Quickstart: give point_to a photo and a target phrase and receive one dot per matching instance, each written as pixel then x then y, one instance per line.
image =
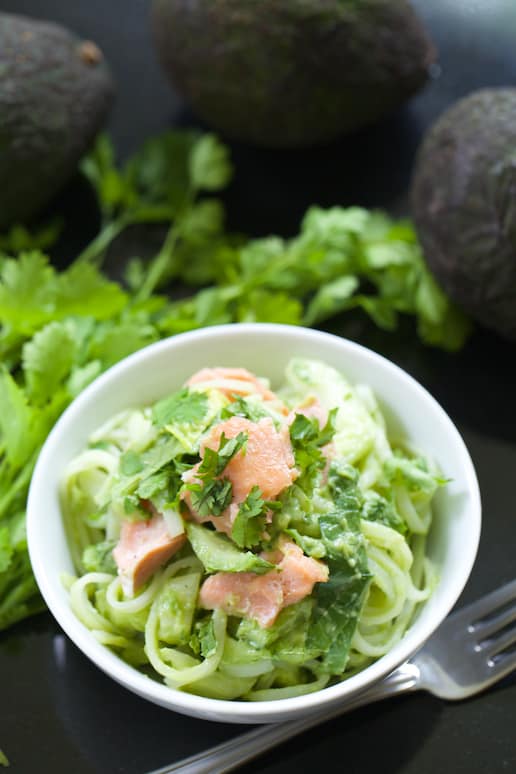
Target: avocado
pixel 292 73
pixel 463 198
pixel 55 93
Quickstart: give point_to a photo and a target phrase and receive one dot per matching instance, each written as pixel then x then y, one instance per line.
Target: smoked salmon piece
pixel 266 461
pixel 262 597
pixel 143 547
pixel 238 381
pixel 244 594
pixel 299 573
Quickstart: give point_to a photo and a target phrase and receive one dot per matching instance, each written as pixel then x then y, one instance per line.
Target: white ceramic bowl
pixel 265 349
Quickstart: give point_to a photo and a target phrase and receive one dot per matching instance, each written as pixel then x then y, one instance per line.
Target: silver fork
pixel 470 651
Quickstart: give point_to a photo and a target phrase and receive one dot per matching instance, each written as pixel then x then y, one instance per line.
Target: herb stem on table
pixel 96 249
pixel 159 266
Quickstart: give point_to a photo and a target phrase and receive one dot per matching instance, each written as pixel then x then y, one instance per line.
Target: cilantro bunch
pixel 59 330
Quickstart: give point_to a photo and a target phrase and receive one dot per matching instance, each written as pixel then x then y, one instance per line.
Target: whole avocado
pixel 55 93
pixel 464 205
pixel 292 73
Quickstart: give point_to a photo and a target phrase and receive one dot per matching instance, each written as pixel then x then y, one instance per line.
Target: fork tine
pixel 499 644
pixel 501 667
pixel 489 604
pixel 485 631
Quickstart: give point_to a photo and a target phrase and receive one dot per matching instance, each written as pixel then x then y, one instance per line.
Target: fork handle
pixel 241 749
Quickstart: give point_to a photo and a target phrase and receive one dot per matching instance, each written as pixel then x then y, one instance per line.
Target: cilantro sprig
pixel 240 407
pixel 160 183
pixel 308 438
pixel 250 522
pixel 211 495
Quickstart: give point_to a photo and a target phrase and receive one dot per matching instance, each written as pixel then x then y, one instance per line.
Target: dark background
pixel 59 713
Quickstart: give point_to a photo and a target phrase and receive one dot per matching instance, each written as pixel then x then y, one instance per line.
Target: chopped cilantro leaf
pixel 210 168
pixel 240 407
pixel 154 484
pixel 133 508
pixel 130 463
pixel 304 429
pixel 211 495
pixel 328 431
pixel 183 407
pixel 307 439
pixel 214 462
pixel 48 359
pixel 249 523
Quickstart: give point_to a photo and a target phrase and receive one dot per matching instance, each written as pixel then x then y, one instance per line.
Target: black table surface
pixel 59 712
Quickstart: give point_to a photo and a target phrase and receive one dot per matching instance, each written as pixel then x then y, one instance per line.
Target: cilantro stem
pixel 21 601
pixel 21 481
pixel 159 264
pixel 113 227
pixel 98 246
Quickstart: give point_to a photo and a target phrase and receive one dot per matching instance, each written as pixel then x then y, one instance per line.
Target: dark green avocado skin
pixel 55 93
pixel 464 205
pixel 291 73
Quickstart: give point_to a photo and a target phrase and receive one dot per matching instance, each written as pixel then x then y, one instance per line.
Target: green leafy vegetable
pixel 307 440
pixel 214 461
pixel 243 407
pixel 183 407
pixel 130 463
pixel 249 523
pixel 339 601
pixel 156 483
pixel 211 495
pixel 47 359
pixel 148 471
pixel 210 168
pixel 415 475
pixel 6 549
pixel 19 596
pixel 19 238
pixel 133 509
pixel 159 184
pixel 32 293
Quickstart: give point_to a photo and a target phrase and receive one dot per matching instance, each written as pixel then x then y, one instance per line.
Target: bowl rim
pixel 237 710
